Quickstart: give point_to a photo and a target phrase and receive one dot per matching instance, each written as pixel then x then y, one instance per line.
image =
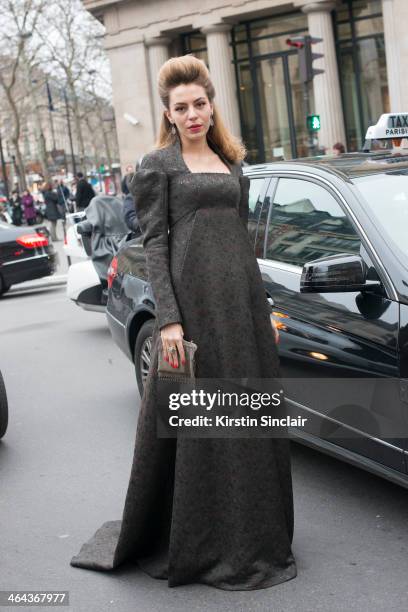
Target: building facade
pixel 255 71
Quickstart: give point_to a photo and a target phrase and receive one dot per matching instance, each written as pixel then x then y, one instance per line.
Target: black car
pixel 331 238
pixel 26 253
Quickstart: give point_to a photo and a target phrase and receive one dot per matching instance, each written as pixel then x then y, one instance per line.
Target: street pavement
pixel 65 463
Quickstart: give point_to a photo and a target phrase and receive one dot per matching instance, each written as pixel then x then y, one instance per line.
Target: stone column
pixel 326 86
pixel 158 53
pixel 395 50
pixel 222 74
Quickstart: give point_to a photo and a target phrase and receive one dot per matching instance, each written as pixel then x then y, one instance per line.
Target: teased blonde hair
pixel 187 69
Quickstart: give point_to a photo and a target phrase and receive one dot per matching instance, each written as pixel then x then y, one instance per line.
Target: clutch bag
pixel 184 372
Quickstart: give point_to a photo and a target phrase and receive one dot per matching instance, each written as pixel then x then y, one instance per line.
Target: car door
pixel 326 338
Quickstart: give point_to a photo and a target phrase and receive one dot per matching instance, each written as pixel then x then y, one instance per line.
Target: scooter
pixel 103 231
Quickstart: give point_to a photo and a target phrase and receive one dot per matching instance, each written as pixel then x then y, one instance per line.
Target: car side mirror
pixel 336 273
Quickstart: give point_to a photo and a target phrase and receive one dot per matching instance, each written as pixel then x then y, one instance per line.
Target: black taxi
pixel 331 238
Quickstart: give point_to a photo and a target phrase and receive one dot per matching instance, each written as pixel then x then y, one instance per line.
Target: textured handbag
pixel 184 373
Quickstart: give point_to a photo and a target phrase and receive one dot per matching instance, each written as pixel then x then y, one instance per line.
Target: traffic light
pixel 306 56
pixel 313 123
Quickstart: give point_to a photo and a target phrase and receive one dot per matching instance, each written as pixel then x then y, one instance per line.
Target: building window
pixel 195 43
pixel 270 93
pixel 359 34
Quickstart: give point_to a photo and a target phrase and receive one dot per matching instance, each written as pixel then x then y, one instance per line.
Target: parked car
pixel 3 407
pixel 329 234
pixel 26 253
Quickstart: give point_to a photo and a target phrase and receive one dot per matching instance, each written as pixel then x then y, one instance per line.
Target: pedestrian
pixel 51 208
pixel 339 148
pixel 63 195
pixel 211 510
pixel 129 209
pixel 84 192
pixel 27 201
pixel 16 209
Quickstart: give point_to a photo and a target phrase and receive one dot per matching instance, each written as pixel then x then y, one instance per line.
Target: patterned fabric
pixel 217 511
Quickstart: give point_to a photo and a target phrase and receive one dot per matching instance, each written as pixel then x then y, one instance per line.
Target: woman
pixel 27 202
pixel 51 209
pixel 217 511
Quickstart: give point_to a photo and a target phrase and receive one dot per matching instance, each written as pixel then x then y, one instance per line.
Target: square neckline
pixel 215 149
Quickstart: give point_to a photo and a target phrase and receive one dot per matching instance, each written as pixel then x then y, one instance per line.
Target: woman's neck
pixel 197 148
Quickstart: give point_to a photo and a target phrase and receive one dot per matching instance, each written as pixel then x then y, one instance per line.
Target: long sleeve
pixel 149 188
pixel 129 213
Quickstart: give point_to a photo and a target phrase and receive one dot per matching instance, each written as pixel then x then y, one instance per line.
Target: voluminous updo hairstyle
pixel 187 69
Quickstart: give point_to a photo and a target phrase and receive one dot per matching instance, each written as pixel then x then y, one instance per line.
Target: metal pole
pixel 51 109
pixel 306 107
pixel 74 169
pixel 4 169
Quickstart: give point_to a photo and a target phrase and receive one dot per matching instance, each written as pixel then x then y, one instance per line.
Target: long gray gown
pixel 217 511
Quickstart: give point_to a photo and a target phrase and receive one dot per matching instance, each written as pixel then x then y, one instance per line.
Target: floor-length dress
pixel 217 511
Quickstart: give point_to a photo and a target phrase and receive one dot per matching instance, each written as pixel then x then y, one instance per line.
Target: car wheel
pixel 3 407
pixel 142 353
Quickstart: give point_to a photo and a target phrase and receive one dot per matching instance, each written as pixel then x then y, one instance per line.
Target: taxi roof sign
pixel 389 125
pixel 391 132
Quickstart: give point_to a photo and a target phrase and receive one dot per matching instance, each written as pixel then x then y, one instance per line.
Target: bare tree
pixel 72 50
pixel 19 18
pixel 102 111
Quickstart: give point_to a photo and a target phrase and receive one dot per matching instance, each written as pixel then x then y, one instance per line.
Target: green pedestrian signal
pixel 313 123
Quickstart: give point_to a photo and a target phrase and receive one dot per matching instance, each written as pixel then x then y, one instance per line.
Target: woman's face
pixel 190 111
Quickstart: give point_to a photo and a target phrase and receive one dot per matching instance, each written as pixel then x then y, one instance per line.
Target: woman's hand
pixel 172 336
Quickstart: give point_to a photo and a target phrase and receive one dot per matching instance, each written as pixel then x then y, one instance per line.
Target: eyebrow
pixel 196 100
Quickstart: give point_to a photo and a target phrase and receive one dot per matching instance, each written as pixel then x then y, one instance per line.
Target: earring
pixel 211 121
pixel 173 129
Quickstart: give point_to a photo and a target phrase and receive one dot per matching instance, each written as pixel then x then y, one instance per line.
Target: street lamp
pixel 74 168
pixel 4 170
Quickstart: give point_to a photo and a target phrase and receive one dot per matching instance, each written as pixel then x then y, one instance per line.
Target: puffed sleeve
pixel 243 207
pixel 149 186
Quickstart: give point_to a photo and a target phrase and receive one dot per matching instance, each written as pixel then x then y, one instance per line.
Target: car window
pixel 255 200
pixel 255 203
pixel 306 222
pixel 263 217
pixel 386 199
